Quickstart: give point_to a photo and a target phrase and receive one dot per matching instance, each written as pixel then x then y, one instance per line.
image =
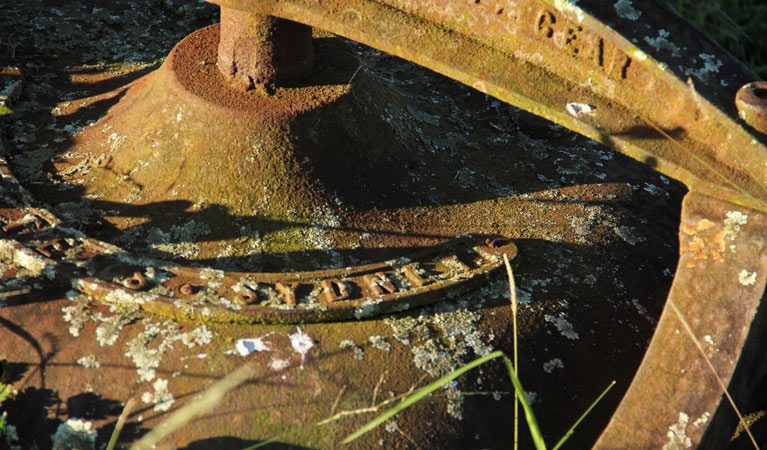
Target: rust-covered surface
pixel 543 56
pixel 259 50
pixel 609 71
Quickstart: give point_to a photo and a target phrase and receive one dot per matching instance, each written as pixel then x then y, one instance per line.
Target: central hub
pixel 189 166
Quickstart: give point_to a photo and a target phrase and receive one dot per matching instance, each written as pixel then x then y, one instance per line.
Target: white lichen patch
pixel 625 9
pixel 732 224
pixel 555 363
pixel 89 362
pixel 359 353
pixel 380 343
pixel 199 336
pixel 9 437
pixel 74 434
pixel 109 329
pixel 211 274
pixel 128 299
pixel 565 328
pixel 160 396
pixel 700 421
pixel 367 308
pixel 662 43
pixel 77 315
pixel 149 347
pixel 278 364
pixel 629 235
pixel 746 278
pixel 711 65
pixel 441 338
pixel 316 235
pixel 531 397
pixel 180 240
pixel 677 434
pixel 455 400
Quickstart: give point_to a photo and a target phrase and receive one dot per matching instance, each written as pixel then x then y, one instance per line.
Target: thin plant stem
pixel 513 296
pixel 210 398
pixel 428 389
pixel 120 423
pixel 695 340
pixel 583 416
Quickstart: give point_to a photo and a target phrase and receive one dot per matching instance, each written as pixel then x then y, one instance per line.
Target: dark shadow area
pixel 43 354
pixel 92 406
pixel 12 371
pixel 28 411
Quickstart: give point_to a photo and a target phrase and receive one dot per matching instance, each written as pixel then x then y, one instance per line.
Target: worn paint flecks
pixel 252 345
pixel 579 110
pixel 301 343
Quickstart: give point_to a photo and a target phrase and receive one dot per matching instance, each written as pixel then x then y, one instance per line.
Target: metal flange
pixel 611 72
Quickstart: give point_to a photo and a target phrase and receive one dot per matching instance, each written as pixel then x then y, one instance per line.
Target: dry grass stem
pixel 121 423
pixel 338 398
pixel 378 386
pixel 695 340
pixel 210 398
pixel 369 409
pixel 513 296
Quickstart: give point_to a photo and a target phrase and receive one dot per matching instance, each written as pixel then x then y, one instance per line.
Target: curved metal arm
pixel 596 69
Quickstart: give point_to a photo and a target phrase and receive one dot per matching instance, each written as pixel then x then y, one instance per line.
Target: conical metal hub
pixel 191 167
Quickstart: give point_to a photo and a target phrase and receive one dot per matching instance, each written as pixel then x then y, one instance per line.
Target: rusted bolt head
pixel 137 281
pixel 493 242
pixel 751 101
pixel 186 289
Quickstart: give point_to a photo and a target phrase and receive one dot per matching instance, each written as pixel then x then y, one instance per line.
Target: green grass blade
pixel 420 394
pixel 426 390
pixel 583 416
pixel 532 423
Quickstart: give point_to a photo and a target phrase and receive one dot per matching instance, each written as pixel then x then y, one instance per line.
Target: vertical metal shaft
pixel 258 49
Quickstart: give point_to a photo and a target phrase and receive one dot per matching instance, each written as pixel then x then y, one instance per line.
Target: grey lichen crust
pixel 442 338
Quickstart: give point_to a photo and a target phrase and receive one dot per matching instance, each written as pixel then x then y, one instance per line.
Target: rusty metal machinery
pixel 609 71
